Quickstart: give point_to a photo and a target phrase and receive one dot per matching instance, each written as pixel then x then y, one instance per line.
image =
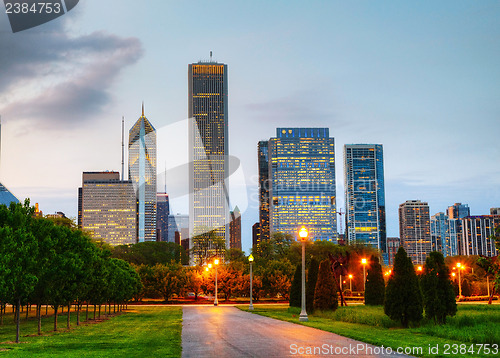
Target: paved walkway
pixel 229 332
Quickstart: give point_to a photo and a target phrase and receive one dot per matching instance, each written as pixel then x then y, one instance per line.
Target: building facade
pixel 208 146
pixel 477 234
pixel 415 230
pixel 393 244
pixel 264 185
pixel 142 172
pixel 108 208
pixel 365 195
pixel 302 183
pixel 177 223
pixel 444 234
pixel 255 235
pixel 162 213
pixel 456 212
pixel 235 229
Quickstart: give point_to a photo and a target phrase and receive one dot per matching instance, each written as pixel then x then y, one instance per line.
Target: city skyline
pixel 420 79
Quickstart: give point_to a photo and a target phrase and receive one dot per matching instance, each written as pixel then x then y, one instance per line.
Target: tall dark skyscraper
pixel 365 195
pixel 415 229
pixel 162 213
pixel 142 173
pixel 208 146
pixel 263 157
pixel 302 177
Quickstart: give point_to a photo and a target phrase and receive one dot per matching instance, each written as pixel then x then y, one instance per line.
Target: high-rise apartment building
pixel 444 234
pixel 235 229
pixel 476 235
pixel 415 230
pixel 455 212
pixel 255 235
pixel 142 173
pixel 162 213
pixel 264 184
pixel 302 183
pixel 365 195
pixel 108 208
pixel 208 146
pixel 393 244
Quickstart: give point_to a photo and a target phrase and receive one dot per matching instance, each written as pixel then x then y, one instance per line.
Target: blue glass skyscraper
pixel 142 173
pixel 364 195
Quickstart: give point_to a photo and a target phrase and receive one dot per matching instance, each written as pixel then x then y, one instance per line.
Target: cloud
pixel 53 78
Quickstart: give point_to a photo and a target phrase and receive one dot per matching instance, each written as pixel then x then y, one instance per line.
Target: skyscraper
pixel 415 230
pixel 477 234
pixel 264 183
pixel 208 146
pixel 364 195
pixel 444 234
pixel 456 212
pixel 162 213
pixel 235 229
pixel 142 173
pixel 302 188
pixel 108 208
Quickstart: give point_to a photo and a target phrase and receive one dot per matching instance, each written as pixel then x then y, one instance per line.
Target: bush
pixel 403 299
pixel 375 285
pixel 325 294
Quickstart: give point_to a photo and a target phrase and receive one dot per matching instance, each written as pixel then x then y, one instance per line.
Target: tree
pixel 403 298
pixel 170 279
pixel 312 278
pixel 18 252
pixel 194 281
pixel 375 285
pixel 296 288
pixel 437 289
pixel 325 294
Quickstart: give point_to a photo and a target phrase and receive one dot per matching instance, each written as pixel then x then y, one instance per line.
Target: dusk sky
pixel 422 78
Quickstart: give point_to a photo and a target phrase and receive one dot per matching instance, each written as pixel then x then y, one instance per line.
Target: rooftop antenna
pixel 123 148
pixel 143 108
pixel 210 56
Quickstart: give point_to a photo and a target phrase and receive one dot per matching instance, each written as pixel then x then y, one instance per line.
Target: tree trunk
pixel 69 317
pixel 94 311
pixel 491 295
pixel 46 310
pixel 55 317
pixel 87 313
pixel 100 311
pixel 2 310
pixel 78 305
pixel 18 319
pixel 114 307
pixel 27 312
pixel 39 317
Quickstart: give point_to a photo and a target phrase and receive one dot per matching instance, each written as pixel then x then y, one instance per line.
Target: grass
pixel 140 332
pixel 473 325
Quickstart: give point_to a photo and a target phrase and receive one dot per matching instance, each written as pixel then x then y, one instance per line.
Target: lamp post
pixel 363 262
pixel 250 259
pixel 350 283
pixel 459 267
pixel 303 237
pixel 216 262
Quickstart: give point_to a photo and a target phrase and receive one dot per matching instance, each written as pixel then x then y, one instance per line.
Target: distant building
pixel 175 224
pixel 108 208
pixel 444 234
pixel 365 195
pixel 142 173
pixel 264 185
pixel 162 213
pixel 458 211
pixel 495 211
pixel 415 230
pixel 393 245
pixel 56 215
pixel 235 229
pixel 476 235
pixel 6 197
pixel 302 188
pixel 208 146
pixel 255 234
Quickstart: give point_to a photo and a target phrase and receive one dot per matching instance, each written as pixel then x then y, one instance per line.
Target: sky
pixel 421 78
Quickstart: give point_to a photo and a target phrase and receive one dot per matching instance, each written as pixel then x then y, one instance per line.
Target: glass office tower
pixel 142 173
pixel 264 185
pixel 365 195
pixel 302 188
pixel 208 146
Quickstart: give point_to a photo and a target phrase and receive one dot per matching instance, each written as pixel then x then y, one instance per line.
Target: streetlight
pixel 216 262
pixel 250 258
pixel 363 262
pixel 303 237
pixel 419 269
pixel 459 267
pixel 350 283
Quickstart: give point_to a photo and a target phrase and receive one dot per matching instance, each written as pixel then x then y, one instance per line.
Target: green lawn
pixel 474 325
pixel 140 332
